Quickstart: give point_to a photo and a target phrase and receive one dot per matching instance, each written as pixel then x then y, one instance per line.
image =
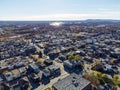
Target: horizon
pixel 58 10
pixel 58 20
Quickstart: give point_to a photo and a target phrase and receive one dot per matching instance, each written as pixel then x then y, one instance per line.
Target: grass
pixel 48 88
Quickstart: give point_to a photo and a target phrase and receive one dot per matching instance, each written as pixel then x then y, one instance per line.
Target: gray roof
pixel 8 76
pixel 53 67
pixel 72 82
pixel 68 63
pixel 34 66
pixel 72 63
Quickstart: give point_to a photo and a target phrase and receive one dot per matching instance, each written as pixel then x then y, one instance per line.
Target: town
pixel 60 55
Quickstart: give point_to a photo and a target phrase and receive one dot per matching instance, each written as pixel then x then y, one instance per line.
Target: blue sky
pixel 59 9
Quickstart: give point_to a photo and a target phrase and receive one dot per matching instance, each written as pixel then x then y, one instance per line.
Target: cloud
pixel 100 15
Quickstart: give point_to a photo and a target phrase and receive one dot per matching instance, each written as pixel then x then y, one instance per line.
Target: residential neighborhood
pixel 75 55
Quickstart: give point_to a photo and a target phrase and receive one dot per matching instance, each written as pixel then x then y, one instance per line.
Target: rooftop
pixel 72 82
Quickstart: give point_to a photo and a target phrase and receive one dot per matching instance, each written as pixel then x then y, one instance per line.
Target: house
pixel 30 49
pixel 14 85
pixel 24 83
pixel 111 70
pixel 81 52
pixel 99 54
pixel 4 86
pixel 81 46
pixel 62 57
pixel 72 82
pixel 106 87
pixel 10 67
pixel 23 71
pixel 16 73
pixel 46 73
pixel 20 64
pixel 54 70
pixel 91 47
pixel 71 64
pixel 11 85
pixel 115 55
pixel 34 77
pixel 8 76
pixel 46 51
pixel 48 62
pixel 53 55
pixel 89 41
pixel 41 65
pixel 106 50
pixel 88 59
pixel 33 68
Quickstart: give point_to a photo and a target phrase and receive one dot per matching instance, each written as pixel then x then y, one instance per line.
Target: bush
pixel 70 57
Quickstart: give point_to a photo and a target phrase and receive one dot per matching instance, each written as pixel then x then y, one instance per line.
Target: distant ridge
pixel 100 20
pixel 65 21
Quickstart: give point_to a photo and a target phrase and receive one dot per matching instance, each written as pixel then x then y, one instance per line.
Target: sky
pixel 59 9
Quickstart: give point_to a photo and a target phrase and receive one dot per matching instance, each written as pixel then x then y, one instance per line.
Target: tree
pixel 115 77
pixel 94 81
pixel 70 57
pixel 104 75
pixel 98 74
pixel 77 57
